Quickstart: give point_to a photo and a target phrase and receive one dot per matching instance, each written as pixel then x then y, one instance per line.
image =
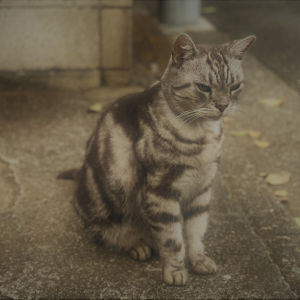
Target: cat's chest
pixel 212 148
pixel 209 150
pixel 201 168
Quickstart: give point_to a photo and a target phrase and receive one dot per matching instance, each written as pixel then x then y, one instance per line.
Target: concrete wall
pixel 66 43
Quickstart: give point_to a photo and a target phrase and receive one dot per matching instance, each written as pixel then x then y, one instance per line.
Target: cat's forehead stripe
pixel 227 73
pixel 231 78
pixel 212 74
pixel 210 79
pixel 219 70
pixel 213 69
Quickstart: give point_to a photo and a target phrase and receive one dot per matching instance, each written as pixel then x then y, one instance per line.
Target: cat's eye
pixel 203 88
pixel 235 87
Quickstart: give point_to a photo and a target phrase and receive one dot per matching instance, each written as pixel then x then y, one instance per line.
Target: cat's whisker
pixel 192 118
pixel 231 110
pixel 191 111
pixel 186 118
pixel 196 118
pixel 182 115
pixel 236 110
pixel 187 113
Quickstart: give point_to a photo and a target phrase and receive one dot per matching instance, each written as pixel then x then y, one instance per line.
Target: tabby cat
pixel 145 184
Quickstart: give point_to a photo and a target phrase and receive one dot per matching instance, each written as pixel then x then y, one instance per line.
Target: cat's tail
pixel 72 174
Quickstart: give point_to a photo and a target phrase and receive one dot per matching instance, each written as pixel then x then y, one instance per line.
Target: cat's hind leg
pixel 140 251
pixel 143 248
pixel 135 242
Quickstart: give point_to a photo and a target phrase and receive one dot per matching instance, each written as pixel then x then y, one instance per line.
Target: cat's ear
pixel 184 48
pixel 239 47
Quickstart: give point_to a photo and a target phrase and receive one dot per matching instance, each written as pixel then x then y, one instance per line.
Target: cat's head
pixel 204 81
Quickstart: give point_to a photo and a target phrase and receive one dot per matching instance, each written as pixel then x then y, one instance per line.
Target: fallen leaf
pixel 227 120
pixel 272 101
pixel 239 133
pixel 261 144
pixel 254 134
pixel 283 200
pixel 281 193
pixel 297 220
pixel 282 196
pixel 278 179
pixel 263 174
pixel 97 108
pixel 209 9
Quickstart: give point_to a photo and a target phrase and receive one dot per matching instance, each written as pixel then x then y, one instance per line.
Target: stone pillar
pixel 179 12
pixel 116 33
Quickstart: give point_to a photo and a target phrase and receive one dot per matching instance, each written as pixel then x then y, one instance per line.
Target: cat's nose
pixel 221 107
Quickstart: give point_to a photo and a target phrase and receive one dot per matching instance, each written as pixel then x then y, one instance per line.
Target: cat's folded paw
pixel 204 266
pixel 140 252
pixel 175 276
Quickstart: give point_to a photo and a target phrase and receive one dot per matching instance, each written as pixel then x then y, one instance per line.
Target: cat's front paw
pixel 175 276
pixel 204 266
pixel 140 252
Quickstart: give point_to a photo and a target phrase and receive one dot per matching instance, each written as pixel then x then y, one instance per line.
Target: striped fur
pixel 151 161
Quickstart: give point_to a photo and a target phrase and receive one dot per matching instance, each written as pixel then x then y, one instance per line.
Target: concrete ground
pixel 44 252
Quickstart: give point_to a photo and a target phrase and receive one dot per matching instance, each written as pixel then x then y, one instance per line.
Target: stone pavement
pixel 44 252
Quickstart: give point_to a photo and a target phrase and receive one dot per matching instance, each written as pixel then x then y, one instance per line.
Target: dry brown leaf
pixel 261 144
pixel 281 196
pixel 297 220
pixel 96 107
pixel 239 133
pixel 281 193
pixel 278 179
pixel 272 101
pixel 227 120
pixel 263 174
pixel 254 134
pixel 283 200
